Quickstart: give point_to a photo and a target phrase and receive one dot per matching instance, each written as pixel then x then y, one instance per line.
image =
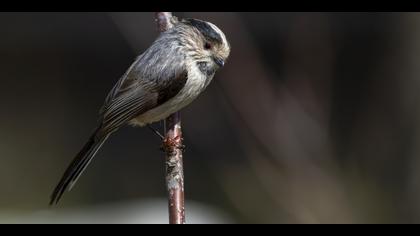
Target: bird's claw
pixel 169 145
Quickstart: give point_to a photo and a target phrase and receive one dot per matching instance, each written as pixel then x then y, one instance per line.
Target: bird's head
pixel 206 42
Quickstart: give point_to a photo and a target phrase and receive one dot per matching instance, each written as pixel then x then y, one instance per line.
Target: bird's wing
pixel 152 80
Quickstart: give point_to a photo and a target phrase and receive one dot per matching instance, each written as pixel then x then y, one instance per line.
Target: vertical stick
pixel 175 169
pixel 173 148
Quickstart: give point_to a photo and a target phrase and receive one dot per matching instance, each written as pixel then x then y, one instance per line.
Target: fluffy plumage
pixel 169 75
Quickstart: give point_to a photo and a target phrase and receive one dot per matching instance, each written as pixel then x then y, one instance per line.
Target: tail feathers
pixel 78 165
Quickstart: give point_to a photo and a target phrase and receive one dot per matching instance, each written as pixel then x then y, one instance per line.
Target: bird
pixel 166 77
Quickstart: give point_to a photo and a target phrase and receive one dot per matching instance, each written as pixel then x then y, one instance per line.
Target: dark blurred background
pixel 314 119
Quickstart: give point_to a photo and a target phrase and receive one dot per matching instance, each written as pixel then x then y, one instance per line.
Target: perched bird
pixel 169 75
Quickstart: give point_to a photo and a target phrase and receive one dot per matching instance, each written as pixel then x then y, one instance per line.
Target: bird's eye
pixel 207 46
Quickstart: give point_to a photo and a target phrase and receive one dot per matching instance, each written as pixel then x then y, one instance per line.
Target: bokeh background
pixel 314 119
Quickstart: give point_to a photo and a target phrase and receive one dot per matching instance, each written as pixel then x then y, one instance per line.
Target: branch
pixel 173 147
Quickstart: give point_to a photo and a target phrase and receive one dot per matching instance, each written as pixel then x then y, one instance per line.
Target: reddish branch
pixel 173 148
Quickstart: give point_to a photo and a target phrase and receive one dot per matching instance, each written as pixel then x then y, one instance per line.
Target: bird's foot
pixel 156 132
pixel 169 145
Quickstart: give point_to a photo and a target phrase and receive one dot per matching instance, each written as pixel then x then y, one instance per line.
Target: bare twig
pixel 164 20
pixel 173 147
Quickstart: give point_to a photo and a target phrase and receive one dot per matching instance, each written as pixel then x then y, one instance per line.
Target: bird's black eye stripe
pixel 206 30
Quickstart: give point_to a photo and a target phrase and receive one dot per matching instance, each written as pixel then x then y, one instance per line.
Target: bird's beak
pixel 220 62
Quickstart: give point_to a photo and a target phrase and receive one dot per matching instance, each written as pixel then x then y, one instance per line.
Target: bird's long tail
pixel 78 165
